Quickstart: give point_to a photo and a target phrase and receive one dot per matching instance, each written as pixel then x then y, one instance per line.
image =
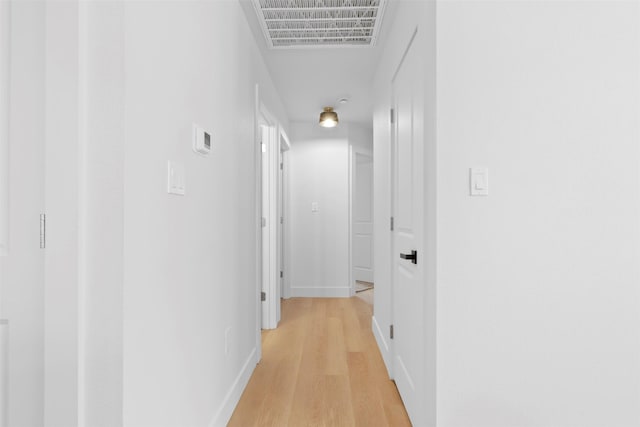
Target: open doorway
pixel 282 199
pixel 274 145
pixel 362 224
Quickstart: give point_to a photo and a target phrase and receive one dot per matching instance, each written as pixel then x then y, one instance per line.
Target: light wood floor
pixel 321 367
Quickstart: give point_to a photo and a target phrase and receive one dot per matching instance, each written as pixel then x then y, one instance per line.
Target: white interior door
pixel 408 208
pixel 363 218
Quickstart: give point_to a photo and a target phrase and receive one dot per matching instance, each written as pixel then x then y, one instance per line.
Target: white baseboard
pixel 232 398
pixel 383 345
pixel 341 292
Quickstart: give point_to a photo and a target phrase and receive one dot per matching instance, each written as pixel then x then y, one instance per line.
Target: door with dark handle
pixel 413 256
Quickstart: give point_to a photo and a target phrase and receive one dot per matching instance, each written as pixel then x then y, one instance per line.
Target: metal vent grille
pixel 318 23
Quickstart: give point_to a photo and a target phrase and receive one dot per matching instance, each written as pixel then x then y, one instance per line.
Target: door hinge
pixel 281 220
pixel 263 296
pixel 392 115
pixel 281 274
pixel 281 166
pixel 391 223
pixel 391 331
pixel 264 222
pixel 43 231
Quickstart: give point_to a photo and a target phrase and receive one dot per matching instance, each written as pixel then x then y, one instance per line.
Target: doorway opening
pixel 274 145
pixel 362 224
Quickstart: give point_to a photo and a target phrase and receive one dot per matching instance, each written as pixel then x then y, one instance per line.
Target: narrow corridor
pixel 321 367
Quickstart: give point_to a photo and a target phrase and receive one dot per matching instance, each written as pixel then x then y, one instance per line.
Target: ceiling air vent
pixel 320 23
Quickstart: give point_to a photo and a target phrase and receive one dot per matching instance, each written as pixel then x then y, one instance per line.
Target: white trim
pixel 282 216
pixel 257 166
pixel 383 345
pixel 273 223
pixel 351 169
pixel 222 417
pixel 288 241
pixel 321 292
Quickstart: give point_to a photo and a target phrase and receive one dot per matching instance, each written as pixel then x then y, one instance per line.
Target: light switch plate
pixel 314 206
pixel 479 181
pixel 175 178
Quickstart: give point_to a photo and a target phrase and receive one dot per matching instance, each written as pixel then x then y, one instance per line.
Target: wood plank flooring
pixel 321 367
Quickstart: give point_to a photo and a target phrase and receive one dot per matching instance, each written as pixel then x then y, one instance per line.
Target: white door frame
pixel 257 167
pixel 269 133
pixel 284 145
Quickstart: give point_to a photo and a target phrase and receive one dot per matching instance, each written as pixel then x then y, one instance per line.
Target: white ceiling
pixel 309 79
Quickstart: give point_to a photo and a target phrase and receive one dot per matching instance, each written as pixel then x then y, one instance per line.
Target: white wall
pixel 84 110
pixel 537 284
pixel 63 142
pixel 189 266
pixel 5 99
pixel 141 286
pixel 361 137
pixel 101 326
pixel 22 272
pixel 319 172
pixel 320 242
pixel 538 308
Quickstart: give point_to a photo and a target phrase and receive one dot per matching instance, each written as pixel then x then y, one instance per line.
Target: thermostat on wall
pixel 201 140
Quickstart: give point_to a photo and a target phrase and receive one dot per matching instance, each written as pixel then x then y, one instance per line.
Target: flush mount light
pixel 328 118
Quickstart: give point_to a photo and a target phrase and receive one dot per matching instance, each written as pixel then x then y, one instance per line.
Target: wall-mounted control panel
pixel 201 140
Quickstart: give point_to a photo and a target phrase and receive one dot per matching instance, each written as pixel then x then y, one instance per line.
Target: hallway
pixel 321 367
pixel 169 173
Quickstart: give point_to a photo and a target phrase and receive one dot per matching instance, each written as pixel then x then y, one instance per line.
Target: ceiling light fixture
pixel 328 118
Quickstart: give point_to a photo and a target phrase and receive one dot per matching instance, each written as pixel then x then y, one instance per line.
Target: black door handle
pixel 413 256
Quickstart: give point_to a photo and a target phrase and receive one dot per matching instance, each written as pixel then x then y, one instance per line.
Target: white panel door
pixel 363 218
pixel 408 210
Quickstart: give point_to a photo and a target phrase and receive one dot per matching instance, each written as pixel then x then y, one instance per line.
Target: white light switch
pixel 314 206
pixel 175 178
pixel 479 181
